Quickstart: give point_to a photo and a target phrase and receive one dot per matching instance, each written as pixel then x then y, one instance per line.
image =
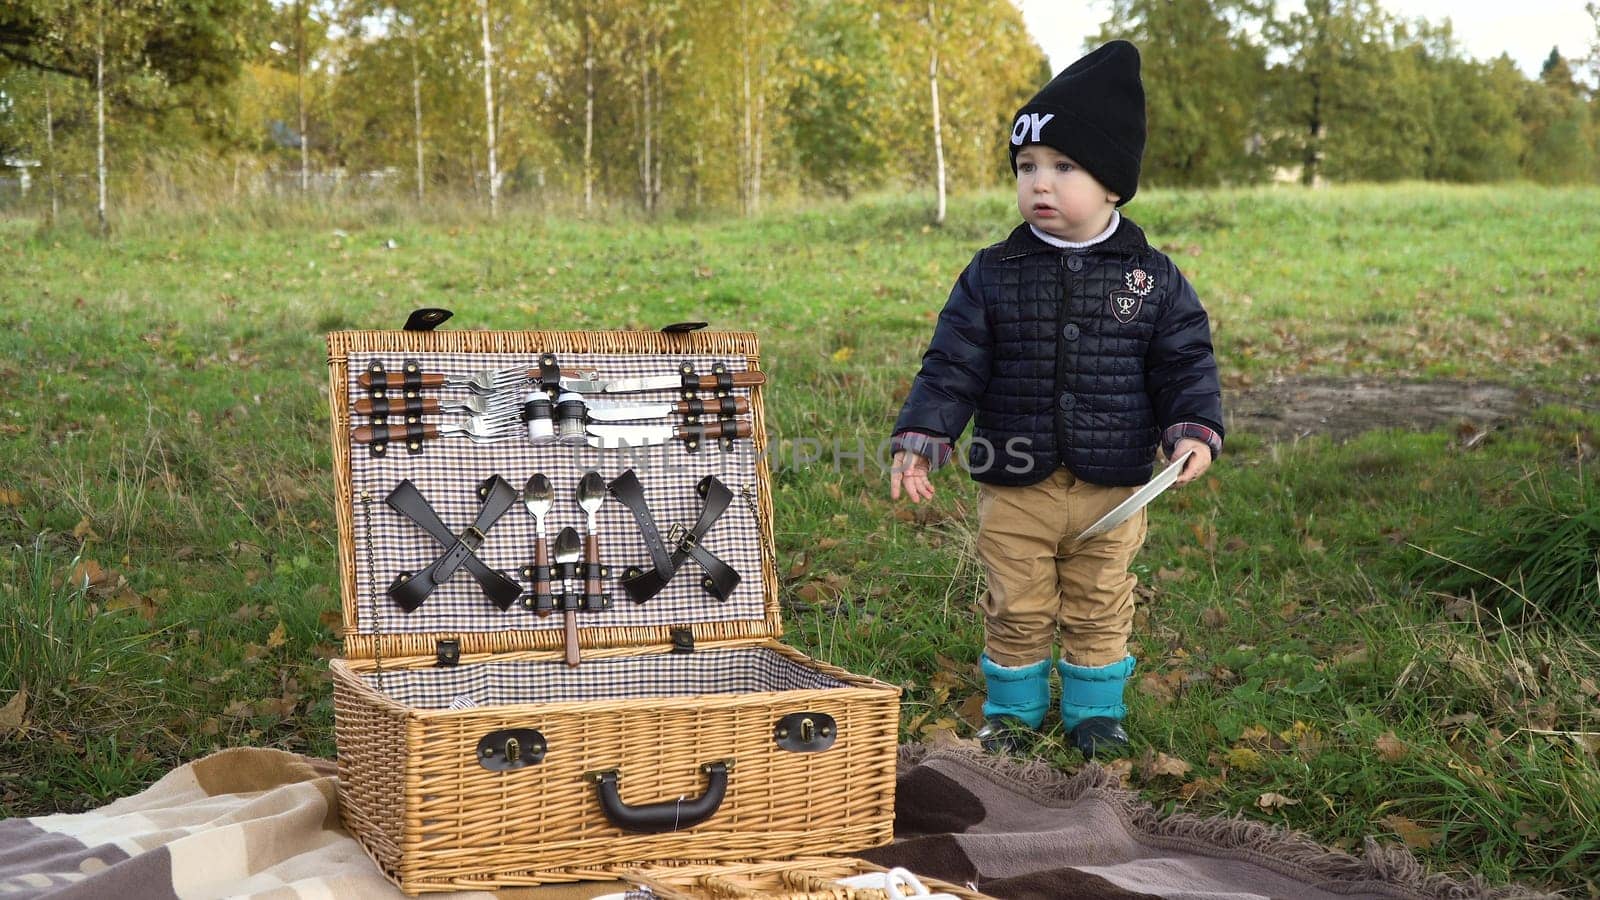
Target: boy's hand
pixel 911 471
pixel 1198 463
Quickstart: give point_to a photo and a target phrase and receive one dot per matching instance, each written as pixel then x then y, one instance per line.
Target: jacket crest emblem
pixel 1125 304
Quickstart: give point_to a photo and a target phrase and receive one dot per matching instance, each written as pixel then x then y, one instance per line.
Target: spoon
pixel 569 547
pixel 538 496
pixel 591 496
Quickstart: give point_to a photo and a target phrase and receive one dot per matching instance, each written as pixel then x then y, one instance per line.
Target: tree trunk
pixel 416 108
pixel 588 116
pixel 746 144
pixel 1313 154
pixel 756 135
pixel 300 93
pixel 655 180
pixel 645 163
pixel 100 116
pixel 933 86
pixel 50 149
pixel 488 106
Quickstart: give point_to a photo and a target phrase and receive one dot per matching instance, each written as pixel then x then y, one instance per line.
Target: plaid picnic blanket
pixel 1025 830
pixel 246 822
pixel 264 824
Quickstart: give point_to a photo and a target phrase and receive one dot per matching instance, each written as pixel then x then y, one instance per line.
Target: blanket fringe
pixel 1388 865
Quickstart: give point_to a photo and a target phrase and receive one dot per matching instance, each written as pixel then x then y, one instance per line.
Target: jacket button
pixel 1075 263
pixel 1066 402
pixel 1069 331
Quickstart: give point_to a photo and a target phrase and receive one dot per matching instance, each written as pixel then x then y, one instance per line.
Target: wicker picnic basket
pixel 814 878
pixel 472 756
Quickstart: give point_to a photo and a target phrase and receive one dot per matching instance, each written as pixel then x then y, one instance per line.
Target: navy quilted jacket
pixel 1074 357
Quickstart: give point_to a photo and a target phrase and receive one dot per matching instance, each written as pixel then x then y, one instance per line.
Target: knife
pixel 576 383
pixel 666 383
pixel 614 437
pixel 439 380
pixel 1138 499
pixel 612 411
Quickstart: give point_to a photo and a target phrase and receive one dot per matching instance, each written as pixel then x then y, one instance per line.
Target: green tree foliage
pixel 676 106
pixel 840 71
pixel 1203 74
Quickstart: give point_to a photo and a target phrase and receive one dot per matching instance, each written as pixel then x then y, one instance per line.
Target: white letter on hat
pixel 1031 122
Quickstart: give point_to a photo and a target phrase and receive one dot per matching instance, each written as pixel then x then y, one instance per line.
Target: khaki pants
pixel 1041 579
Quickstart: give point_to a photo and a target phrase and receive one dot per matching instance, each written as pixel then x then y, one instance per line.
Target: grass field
pixel 163 438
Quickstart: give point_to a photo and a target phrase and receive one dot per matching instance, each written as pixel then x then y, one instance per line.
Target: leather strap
pixel 630 493
pixel 720 578
pixel 461 549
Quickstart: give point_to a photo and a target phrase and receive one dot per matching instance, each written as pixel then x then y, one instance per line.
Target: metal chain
pixel 768 553
pixel 372 579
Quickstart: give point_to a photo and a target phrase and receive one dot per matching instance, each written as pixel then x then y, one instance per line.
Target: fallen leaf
pixel 1301 736
pixel 1200 787
pixel 1255 734
pixel 971 709
pixel 1271 801
pixel 15 712
pixel 277 638
pixel 1165 764
pixel 1122 768
pixel 88 573
pixel 331 620
pixel 127 598
pixel 1391 748
pixel 1414 835
pixel 1158 687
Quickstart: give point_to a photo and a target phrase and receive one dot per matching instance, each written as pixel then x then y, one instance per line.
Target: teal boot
pixel 1017 701
pixel 1091 705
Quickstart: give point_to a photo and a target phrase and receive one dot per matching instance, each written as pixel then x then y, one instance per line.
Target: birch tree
pixel 933 89
pixel 489 111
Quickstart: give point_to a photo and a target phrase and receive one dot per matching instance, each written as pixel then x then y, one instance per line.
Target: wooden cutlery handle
pixel 365 406
pixel 383 434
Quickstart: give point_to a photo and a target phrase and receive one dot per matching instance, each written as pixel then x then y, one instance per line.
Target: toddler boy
pixel 1079 348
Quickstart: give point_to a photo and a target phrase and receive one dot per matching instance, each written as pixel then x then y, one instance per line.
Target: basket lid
pixel 386 536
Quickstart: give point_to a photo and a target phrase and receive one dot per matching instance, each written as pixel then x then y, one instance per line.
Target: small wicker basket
pixel 811 878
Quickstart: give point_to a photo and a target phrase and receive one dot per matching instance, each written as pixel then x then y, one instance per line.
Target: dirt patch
pixel 1289 408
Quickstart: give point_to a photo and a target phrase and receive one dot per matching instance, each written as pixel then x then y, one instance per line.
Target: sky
pixel 1526 29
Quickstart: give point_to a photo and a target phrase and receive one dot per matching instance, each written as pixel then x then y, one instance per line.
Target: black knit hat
pixel 1093 112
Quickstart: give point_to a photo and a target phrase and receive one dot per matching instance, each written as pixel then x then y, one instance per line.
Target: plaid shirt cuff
pixel 1195 431
pixel 932 447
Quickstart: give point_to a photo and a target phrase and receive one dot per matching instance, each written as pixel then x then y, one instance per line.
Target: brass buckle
pixel 681 537
pixel 473 538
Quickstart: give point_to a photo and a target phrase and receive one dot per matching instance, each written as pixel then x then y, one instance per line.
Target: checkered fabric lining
pixel 735 671
pixel 448 473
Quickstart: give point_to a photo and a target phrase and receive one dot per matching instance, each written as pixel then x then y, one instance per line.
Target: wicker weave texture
pixel 810 878
pixel 457 820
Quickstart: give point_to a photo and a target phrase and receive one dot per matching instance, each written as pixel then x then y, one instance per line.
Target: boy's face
pixel 1059 197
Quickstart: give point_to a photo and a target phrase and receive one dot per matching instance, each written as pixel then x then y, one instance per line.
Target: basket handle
pixel 668 815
